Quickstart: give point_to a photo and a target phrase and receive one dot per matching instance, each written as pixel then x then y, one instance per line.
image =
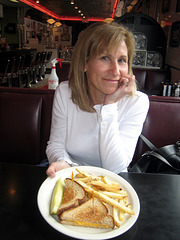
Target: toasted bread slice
pixel 92 213
pixel 74 194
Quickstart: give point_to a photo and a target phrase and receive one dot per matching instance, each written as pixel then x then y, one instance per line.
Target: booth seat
pixel 148 80
pixel 25 121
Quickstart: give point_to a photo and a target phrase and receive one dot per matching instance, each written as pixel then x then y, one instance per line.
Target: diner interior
pixel 32 34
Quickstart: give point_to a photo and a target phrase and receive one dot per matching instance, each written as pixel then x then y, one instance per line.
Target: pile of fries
pixel 107 191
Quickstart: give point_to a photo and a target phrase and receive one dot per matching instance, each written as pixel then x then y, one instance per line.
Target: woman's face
pixel 105 71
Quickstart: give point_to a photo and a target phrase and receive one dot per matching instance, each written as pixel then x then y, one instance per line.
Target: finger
pixel 128 80
pixel 51 171
pixel 124 81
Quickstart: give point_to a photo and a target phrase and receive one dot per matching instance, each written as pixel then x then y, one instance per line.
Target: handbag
pixel 159 160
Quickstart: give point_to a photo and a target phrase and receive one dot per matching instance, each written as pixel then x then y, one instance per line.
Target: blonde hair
pixel 92 42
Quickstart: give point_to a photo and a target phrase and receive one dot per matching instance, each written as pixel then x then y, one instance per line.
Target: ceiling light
pixel 72 1
pixel 58 24
pixel 79 11
pixel 16 1
pixel 76 7
pixel 51 21
pixel 108 20
pixel 37 1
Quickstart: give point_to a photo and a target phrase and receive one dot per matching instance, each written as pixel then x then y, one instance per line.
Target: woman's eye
pixel 123 60
pixel 106 58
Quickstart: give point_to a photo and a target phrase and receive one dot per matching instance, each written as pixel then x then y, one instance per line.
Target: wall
pixel 164 11
pixel 173 53
pixel 10 21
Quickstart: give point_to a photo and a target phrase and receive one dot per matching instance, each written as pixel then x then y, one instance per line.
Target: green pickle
pixel 57 196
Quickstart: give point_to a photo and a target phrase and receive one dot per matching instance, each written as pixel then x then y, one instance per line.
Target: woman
pixel 98 116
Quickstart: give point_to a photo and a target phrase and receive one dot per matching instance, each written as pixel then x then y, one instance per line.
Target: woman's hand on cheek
pixel 56 166
pixel 126 85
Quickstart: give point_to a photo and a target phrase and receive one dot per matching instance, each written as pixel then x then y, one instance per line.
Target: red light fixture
pixel 114 8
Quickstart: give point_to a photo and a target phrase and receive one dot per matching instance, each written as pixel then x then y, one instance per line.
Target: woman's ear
pixel 84 68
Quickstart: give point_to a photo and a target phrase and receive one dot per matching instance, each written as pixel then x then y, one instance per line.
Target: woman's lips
pixel 111 80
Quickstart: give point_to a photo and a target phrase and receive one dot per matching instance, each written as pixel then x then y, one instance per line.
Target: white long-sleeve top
pixel 106 138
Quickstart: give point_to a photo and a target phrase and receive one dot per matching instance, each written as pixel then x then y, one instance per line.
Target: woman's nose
pixel 114 69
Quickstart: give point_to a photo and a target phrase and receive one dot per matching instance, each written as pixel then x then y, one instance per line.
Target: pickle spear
pixel 57 196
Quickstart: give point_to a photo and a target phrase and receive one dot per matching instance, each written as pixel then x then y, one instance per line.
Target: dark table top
pixel 20 218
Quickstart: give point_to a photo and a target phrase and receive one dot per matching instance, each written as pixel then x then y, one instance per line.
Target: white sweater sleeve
pixel 120 127
pixel 56 145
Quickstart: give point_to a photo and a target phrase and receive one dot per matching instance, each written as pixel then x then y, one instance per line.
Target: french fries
pixel 116 217
pixel 107 191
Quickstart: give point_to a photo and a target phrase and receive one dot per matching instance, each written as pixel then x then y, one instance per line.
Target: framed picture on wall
pixel 175 34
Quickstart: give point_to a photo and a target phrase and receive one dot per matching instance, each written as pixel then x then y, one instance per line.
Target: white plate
pixel 44 198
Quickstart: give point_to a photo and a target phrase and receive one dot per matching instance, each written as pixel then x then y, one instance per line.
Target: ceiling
pixel 89 8
pixel 92 10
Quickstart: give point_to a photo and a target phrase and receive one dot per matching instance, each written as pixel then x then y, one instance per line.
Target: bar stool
pixel 41 66
pixel 35 67
pixel 15 80
pixel 20 71
pixel 7 78
pixel 28 68
pixel 48 57
pixel 24 73
pixel 3 74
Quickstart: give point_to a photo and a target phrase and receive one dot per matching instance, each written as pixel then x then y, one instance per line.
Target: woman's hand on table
pixel 56 166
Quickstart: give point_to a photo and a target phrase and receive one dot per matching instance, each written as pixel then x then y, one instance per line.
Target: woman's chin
pixel 111 90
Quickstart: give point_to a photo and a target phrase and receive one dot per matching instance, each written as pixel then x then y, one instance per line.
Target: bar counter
pixel 159 196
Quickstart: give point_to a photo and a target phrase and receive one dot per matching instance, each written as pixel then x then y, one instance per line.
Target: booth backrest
pixel 162 125
pixel 25 119
pixel 149 80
